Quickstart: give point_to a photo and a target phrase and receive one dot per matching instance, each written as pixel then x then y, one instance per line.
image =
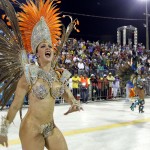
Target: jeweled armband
pixel 4 126
pixel 65 76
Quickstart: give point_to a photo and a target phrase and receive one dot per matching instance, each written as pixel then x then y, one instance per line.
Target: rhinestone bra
pixel 33 73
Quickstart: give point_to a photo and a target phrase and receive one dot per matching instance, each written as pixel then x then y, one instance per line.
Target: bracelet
pixel 75 103
pixel 4 126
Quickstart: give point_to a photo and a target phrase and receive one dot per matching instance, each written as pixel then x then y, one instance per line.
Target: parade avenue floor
pixel 104 125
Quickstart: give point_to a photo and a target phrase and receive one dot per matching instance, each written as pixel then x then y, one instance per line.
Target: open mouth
pixel 48 54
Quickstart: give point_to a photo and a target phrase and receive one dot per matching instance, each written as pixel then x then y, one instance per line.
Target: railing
pixel 93 93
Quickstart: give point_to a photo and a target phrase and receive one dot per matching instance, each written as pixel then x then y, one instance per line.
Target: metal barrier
pixel 94 93
pixel 104 94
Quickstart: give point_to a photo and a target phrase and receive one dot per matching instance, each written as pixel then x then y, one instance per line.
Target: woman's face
pixel 45 52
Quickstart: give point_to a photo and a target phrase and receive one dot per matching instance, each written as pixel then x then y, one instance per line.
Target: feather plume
pixel 70 27
pixel 10 47
pixel 31 14
pixel 124 72
pixel 10 13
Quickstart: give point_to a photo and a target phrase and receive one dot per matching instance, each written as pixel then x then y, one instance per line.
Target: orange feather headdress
pixel 39 21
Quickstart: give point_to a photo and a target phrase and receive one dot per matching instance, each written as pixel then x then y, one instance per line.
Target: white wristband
pixel 4 126
pixel 75 103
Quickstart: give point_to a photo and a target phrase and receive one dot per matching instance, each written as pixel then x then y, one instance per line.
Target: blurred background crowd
pixel 79 56
pixel 94 67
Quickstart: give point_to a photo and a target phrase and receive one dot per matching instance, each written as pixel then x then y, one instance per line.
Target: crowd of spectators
pixel 96 64
pixel 79 56
pixel 99 62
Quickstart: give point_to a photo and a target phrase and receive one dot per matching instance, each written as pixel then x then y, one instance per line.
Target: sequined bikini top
pixel 33 73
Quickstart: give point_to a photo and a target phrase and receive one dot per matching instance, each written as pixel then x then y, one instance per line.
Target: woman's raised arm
pixel 21 91
pixel 69 98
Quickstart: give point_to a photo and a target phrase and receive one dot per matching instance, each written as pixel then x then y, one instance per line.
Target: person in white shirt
pixel 115 86
pixel 75 58
pixel 81 67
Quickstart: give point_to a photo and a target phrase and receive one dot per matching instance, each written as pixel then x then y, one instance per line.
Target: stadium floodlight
pixel 146 25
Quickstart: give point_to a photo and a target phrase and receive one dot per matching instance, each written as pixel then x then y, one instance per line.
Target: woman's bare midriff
pixel 40 110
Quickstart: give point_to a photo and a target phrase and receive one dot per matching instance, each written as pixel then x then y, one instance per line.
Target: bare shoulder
pixel 23 82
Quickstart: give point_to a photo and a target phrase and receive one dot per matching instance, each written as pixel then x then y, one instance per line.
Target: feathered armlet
pixel 63 75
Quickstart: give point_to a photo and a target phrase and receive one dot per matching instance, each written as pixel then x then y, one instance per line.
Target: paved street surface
pixel 105 125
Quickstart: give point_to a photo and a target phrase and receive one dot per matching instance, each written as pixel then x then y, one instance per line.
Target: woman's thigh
pixel 56 141
pixel 29 143
pixel 31 138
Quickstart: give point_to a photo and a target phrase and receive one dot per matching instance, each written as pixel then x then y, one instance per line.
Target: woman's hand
pixel 73 108
pixel 4 140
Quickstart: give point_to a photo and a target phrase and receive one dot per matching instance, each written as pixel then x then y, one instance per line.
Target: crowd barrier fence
pixel 93 93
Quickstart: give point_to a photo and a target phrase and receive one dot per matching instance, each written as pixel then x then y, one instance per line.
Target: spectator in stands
pixel 87 69
pixel 75 58
pixel 68 60
pixel 98 86
pixel 100 70
pixel 75 85
pixel 84 88
pixel 115 86
pixel 110 78
pixel 94 86
pixel 81 67
pixel 104 89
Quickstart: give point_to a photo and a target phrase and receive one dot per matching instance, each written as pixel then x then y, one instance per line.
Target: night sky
pixel 105 29
pixel 93 28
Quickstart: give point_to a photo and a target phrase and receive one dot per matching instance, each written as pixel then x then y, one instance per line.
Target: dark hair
pixel 37 48
pixel 36 51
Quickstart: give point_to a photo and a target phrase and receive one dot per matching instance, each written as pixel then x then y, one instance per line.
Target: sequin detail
pixel 33 73
pixel 58 91
pixel 47 129
pixel 40 32
pixel 40 91
pixel 49 77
